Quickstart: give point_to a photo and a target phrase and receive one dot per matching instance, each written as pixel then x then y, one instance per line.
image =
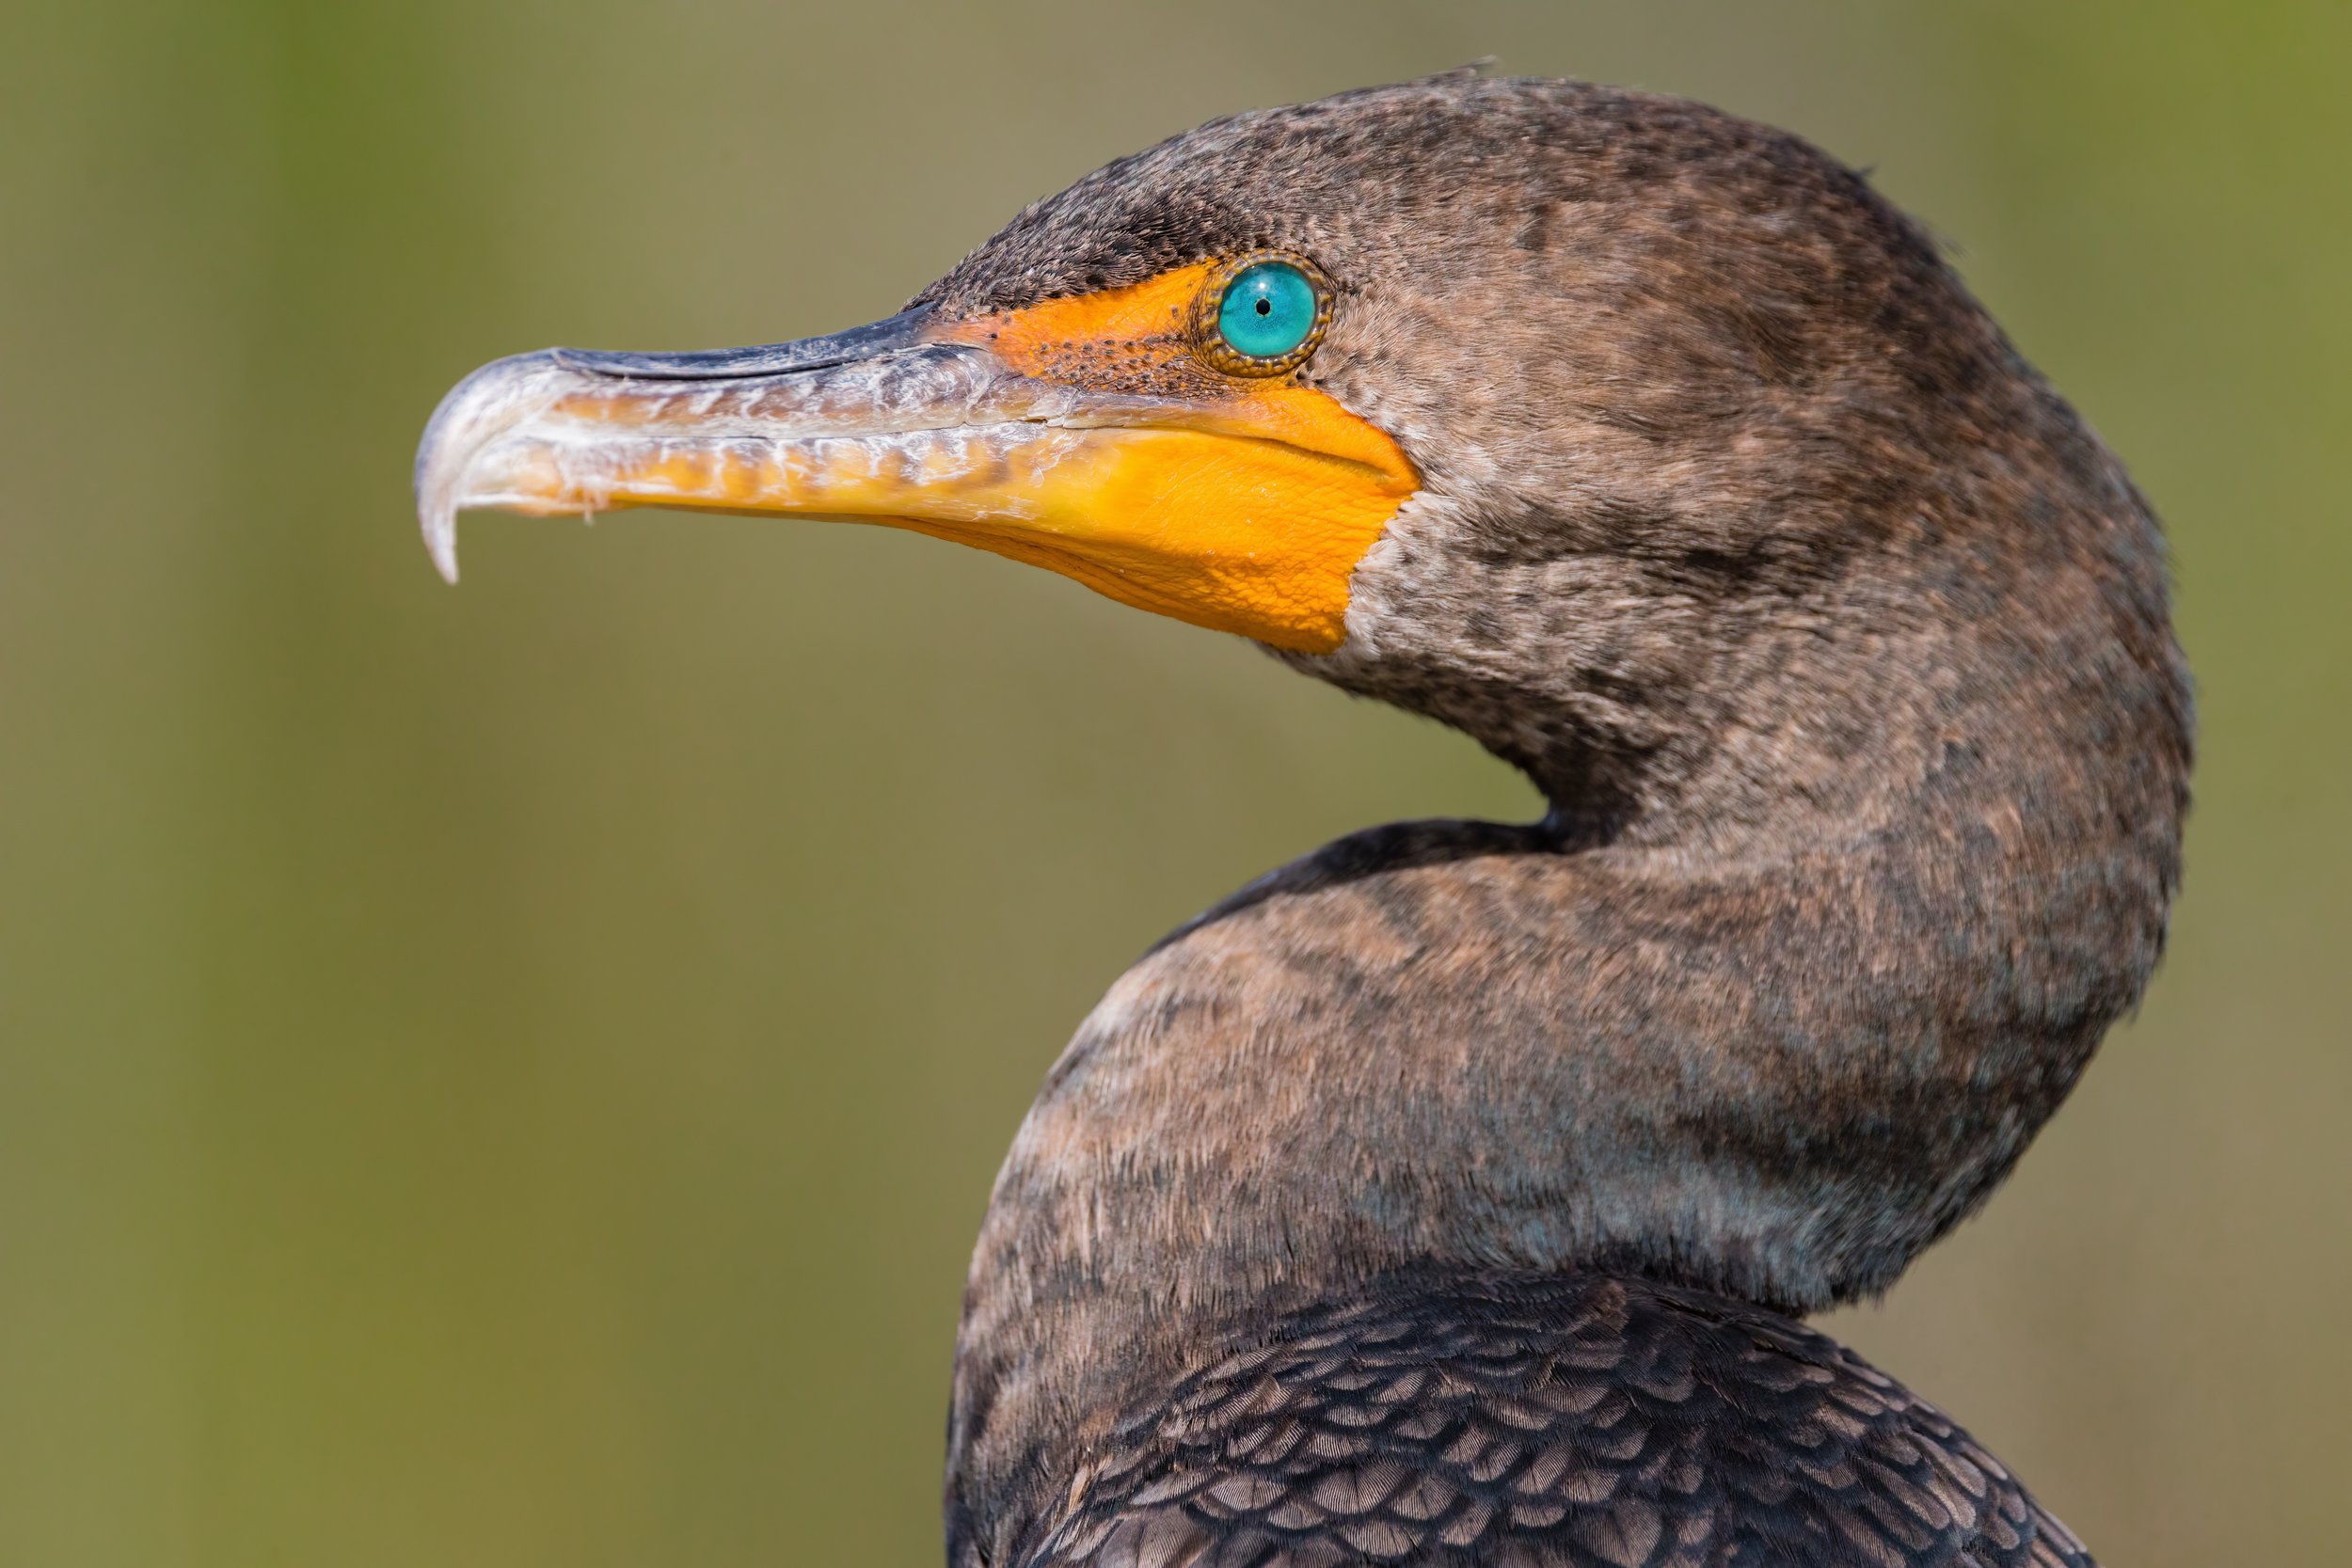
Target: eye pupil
pixel 1268 311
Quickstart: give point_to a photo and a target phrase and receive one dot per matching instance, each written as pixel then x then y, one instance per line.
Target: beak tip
pixel 441 542
pixel 492 401
pixel 436 517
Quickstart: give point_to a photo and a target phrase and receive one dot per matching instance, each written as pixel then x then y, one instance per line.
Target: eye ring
pixel 1211 339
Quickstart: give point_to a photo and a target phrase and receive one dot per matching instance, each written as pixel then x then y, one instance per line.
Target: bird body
pixel 1448 1196
pixel 1539 1419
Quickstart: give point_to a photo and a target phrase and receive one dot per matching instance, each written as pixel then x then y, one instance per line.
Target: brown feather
pixel 1841 649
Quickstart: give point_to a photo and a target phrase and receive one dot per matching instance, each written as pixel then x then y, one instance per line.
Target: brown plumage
pixel 1839 647
pixel 1447 1196
pixel 1539 1420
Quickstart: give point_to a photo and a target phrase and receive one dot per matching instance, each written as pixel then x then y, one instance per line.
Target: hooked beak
pixel 1240 509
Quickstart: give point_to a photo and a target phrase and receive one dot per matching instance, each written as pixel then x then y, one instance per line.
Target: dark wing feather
pixel 1581 1421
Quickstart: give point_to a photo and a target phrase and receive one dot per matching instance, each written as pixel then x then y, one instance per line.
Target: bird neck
pixel 1766 1022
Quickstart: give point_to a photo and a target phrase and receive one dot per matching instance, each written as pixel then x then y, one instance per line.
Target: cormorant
pixel 1449 1195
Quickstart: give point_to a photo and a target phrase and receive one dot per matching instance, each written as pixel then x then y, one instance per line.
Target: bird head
pixel 1584 420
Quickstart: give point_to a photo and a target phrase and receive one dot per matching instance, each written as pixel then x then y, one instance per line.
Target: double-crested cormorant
pixel 1449 1196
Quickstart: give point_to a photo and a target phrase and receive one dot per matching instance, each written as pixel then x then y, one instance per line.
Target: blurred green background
pixel 510 1075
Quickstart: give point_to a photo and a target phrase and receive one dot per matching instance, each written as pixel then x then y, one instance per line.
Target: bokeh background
pixel 510 1075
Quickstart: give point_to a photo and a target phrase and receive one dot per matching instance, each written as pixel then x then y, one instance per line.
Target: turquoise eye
pixel 1268 311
